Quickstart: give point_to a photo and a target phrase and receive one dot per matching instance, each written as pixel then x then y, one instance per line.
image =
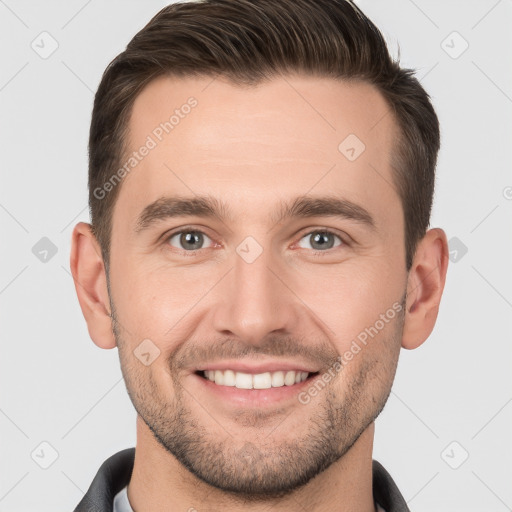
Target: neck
pixel 160 483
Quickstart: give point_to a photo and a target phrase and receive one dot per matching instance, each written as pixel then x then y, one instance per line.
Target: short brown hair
pixel 249 42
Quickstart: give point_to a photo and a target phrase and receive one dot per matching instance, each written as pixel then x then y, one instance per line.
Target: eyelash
pixel 313 252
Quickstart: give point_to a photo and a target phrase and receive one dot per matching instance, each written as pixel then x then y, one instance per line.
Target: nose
pixel 255 301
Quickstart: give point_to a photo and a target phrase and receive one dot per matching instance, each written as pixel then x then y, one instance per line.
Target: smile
pixel 264 380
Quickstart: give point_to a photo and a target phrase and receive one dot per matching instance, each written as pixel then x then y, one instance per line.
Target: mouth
pixel 256 381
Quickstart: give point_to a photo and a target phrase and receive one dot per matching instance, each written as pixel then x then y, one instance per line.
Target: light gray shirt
pixel 121 503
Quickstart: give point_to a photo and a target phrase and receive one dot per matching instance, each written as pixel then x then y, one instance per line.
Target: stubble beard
pixel 258 468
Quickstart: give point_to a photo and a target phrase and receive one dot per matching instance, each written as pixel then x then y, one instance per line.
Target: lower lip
pixel 255 397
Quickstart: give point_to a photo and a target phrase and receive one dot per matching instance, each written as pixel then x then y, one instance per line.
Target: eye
pixel 320 240
pixel 188 240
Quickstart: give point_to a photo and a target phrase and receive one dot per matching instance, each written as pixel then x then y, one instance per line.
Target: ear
pixel 90 279
pixel 425 286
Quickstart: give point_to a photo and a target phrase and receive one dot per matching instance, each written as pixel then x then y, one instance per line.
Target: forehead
pixel 250 145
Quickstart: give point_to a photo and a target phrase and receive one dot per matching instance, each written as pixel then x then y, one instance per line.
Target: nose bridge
pixel 254 302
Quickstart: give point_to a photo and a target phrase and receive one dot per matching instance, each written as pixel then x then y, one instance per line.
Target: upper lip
pixel 254 367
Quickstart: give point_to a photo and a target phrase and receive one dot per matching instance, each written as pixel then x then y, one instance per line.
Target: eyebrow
pixel 210 207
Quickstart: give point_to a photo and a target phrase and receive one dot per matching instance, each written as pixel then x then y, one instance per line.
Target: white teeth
pixel 255 381
pixel 262 381
pixel 289 378
pixel 243 380
pixel 219 377
pixel 229 378
pixel 277 379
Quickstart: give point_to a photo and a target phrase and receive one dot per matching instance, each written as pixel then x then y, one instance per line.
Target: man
pixel 261 179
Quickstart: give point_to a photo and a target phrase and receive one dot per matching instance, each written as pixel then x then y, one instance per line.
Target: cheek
pixel 154 301
pixel 352 299
pixel 370 358
pixel 140 286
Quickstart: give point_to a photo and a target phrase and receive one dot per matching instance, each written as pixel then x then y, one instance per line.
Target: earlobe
pixel 425 287
pixel 88 272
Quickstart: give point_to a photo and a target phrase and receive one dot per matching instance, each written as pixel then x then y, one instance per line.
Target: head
pixel 260 183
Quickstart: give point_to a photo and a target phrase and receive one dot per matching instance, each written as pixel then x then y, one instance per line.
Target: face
pixel 258 320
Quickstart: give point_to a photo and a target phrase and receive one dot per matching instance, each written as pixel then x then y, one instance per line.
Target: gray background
pixel 452 396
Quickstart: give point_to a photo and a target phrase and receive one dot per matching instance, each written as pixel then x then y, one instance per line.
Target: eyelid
pixel 307 231
pixel 165 237
pixel 346 239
